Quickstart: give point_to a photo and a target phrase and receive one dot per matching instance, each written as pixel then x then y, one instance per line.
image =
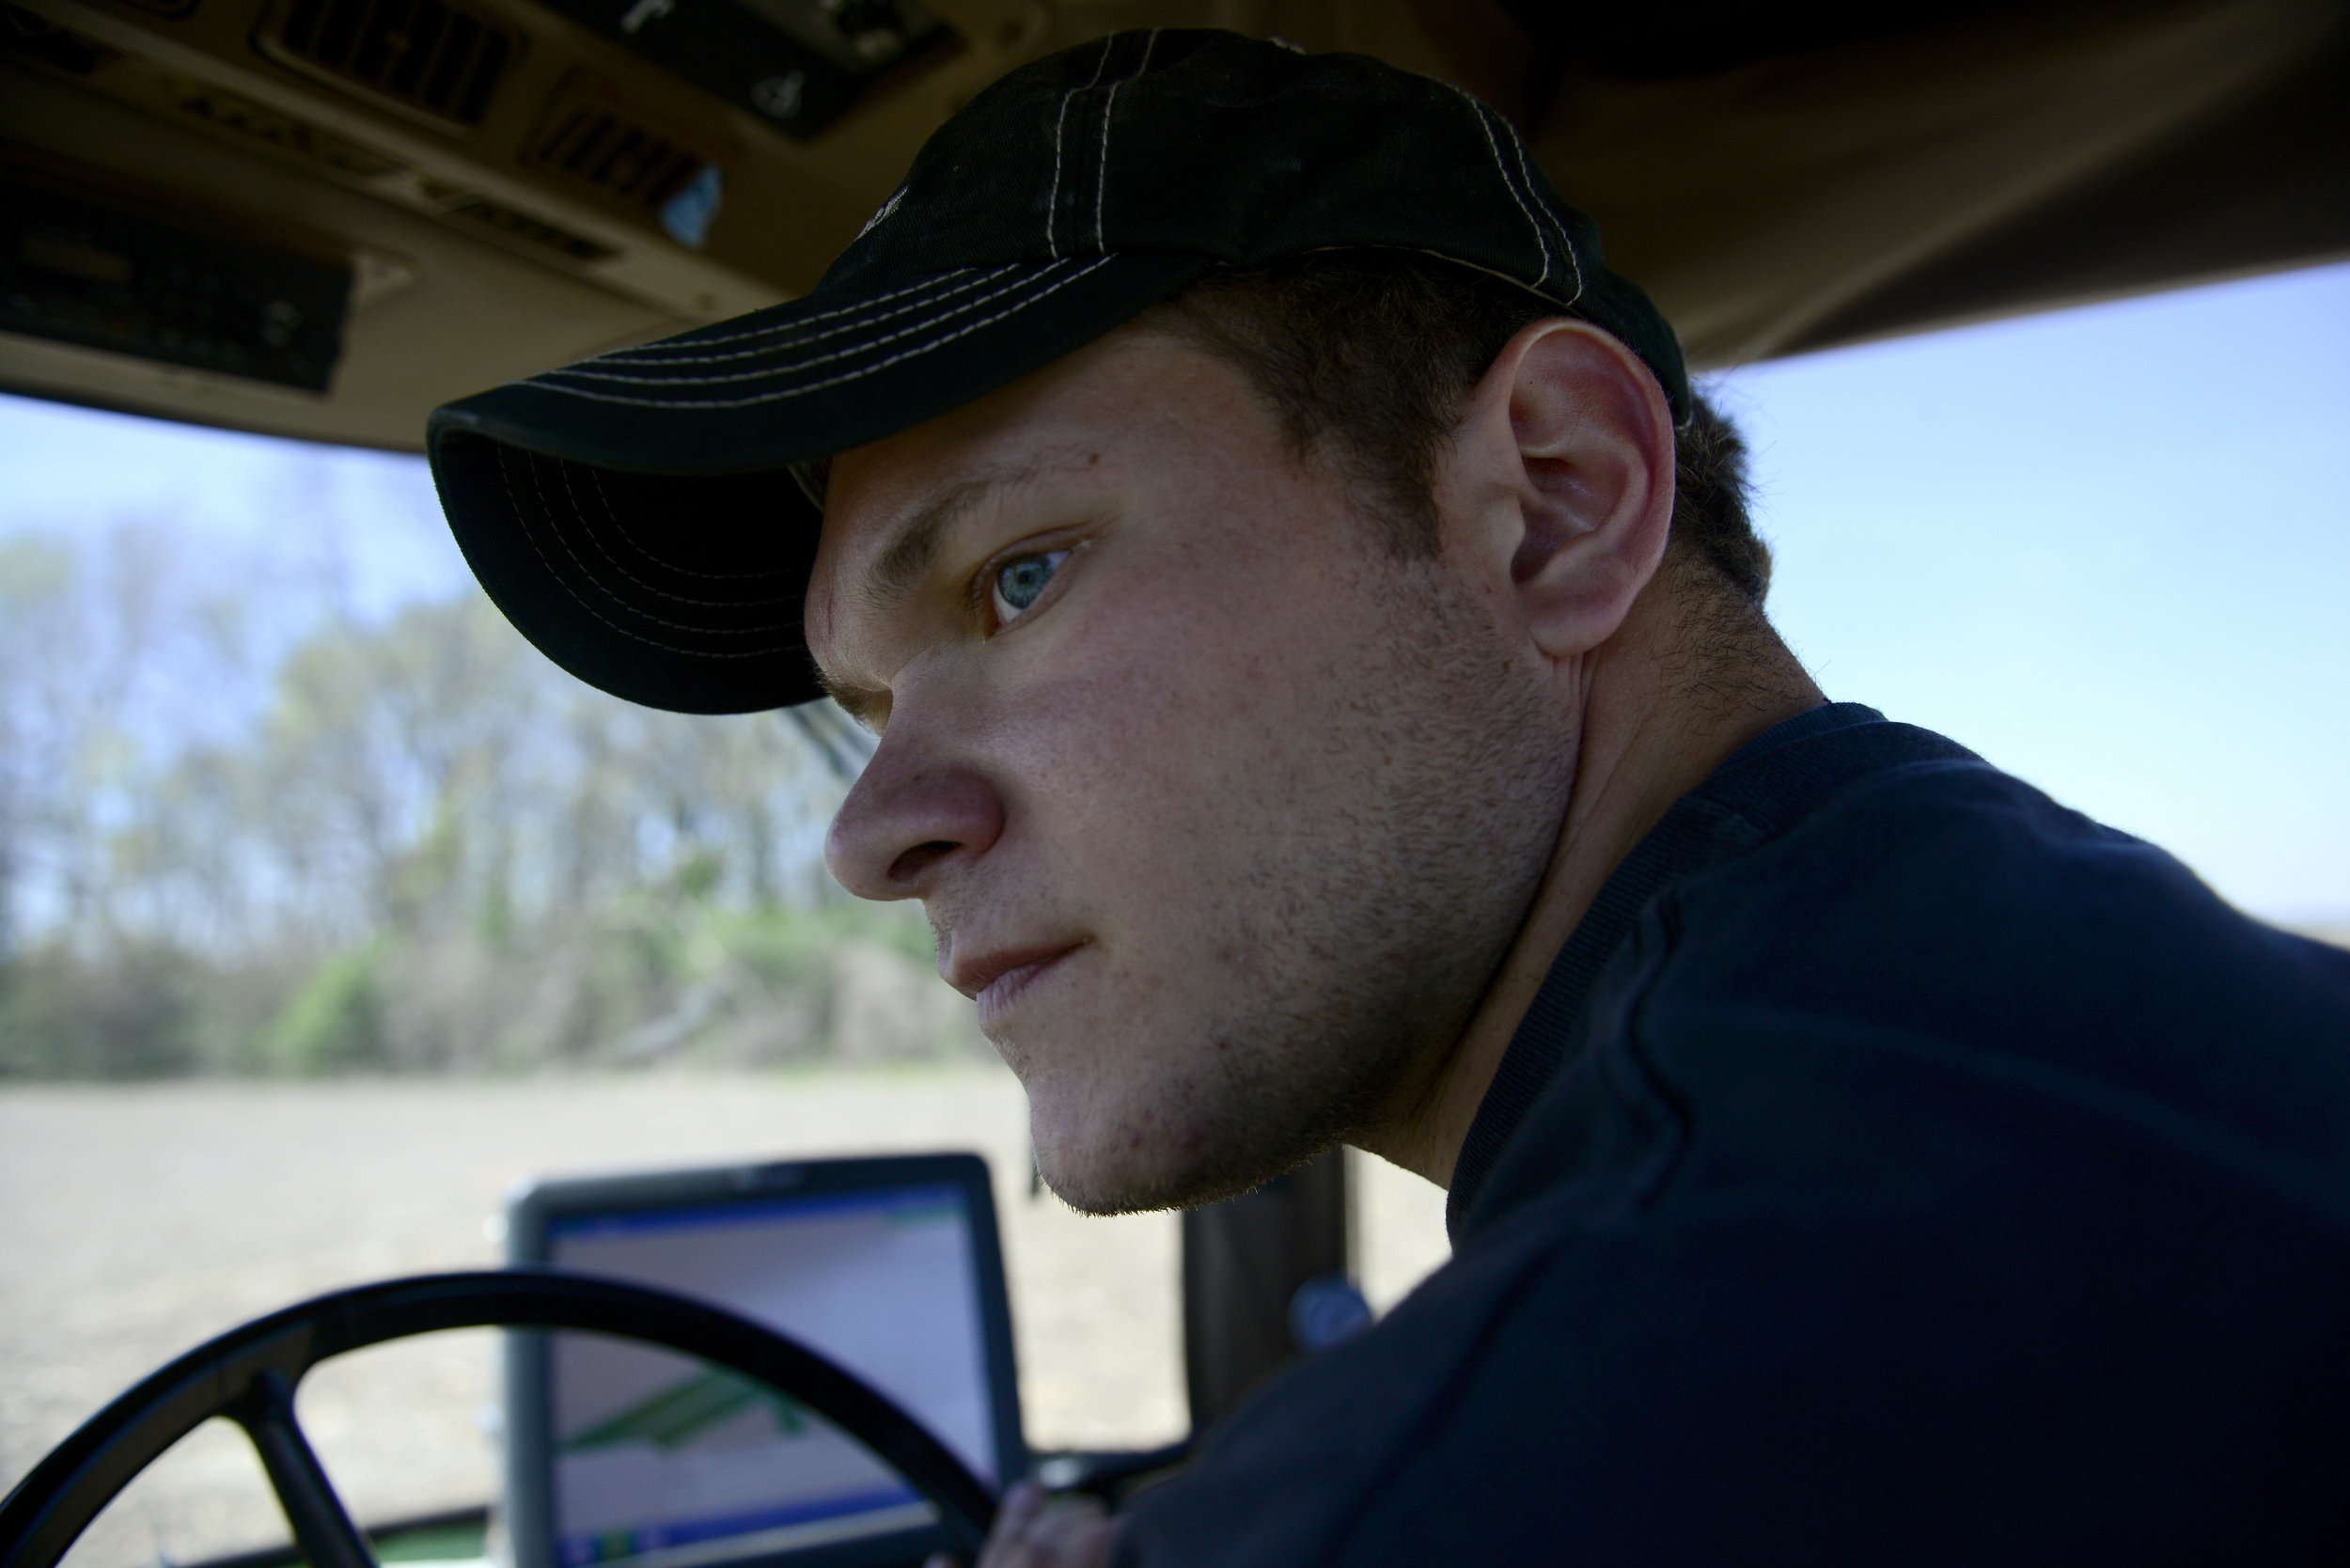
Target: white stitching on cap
pixel 680 355
pixel 521 516
pixel 780 395
pixel 1541 243
pixel 1518 146
pixel 589 370
pixel 779 327
pixel 539 483
pixel 919 286
pixel 554 521
pixel 1052 198
pixel 595 477
pixel 770 372
pixel 589 529
pixel 783 393
pixel 1101 168
pixel 1525 199
pixel 606 369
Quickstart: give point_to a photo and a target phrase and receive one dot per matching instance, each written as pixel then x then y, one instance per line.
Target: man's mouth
pixel 996 980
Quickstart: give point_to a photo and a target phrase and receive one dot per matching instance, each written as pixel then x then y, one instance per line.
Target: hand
pixel 1034 1531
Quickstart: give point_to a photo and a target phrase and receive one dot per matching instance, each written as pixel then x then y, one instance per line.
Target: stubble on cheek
pixel 1337 962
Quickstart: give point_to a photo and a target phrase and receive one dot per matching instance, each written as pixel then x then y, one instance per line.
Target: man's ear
pixel 1562 474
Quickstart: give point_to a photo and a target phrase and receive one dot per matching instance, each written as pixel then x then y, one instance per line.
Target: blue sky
pixel 2107 548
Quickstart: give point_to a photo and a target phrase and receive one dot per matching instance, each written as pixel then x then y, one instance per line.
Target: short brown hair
pixel 1375 350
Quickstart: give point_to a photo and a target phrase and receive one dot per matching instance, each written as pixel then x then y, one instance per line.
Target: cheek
pixel 1141 729
pixel 1112 779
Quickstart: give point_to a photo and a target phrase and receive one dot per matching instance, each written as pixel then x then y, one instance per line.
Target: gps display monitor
pixel 623 1454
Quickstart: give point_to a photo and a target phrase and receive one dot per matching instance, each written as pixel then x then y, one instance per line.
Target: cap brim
pixel 634 514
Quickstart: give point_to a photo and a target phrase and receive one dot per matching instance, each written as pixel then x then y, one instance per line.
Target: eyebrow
pixel 905 560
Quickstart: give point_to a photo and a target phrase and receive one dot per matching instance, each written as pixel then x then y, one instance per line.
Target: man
pixel 1324 696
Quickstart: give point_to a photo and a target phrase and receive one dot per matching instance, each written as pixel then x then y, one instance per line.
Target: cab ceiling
pixel 473 190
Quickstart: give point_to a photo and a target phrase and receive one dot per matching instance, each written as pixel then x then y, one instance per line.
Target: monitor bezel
pixel 533 1208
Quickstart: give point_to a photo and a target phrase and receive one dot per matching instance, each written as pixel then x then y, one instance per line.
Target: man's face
pixel 1222 813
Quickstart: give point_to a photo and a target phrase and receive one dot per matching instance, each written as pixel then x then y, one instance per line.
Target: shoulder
pixel 1945 922
pixel 1906 945
pixel 1931 964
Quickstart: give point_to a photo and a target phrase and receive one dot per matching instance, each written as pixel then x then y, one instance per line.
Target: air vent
pixel 424 56
pixel 597 147
pixel 654 165
pixel 514 223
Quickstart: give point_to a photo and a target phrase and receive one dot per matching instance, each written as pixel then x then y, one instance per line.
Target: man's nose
pixel 905 817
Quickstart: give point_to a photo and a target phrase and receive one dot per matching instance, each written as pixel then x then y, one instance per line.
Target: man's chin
pixel 1122 1181
pixel 1125 1171
pixel 1109 1142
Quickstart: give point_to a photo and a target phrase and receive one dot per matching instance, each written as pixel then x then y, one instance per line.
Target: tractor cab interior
pixel 322 219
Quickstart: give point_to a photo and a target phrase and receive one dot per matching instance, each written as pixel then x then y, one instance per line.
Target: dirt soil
pixel 135 1222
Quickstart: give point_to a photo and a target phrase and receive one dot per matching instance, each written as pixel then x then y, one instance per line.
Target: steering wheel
pixel 249 1375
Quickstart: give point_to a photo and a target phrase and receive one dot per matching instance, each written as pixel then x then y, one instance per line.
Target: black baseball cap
pixel 636 515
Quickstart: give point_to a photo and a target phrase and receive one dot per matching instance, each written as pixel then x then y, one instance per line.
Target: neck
pixel 1645 739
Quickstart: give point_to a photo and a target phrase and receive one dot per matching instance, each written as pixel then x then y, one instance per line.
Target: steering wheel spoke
pixel 322 1527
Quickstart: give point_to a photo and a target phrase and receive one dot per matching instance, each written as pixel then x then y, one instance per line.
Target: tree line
pixel 244 829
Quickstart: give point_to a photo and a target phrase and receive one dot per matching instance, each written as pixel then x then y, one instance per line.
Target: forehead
pixel 1139 401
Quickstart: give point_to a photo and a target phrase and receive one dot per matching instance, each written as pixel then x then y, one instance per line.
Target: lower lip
pixel 1006 988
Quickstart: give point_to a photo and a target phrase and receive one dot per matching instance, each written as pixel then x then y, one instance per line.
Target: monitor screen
pixel 657 1461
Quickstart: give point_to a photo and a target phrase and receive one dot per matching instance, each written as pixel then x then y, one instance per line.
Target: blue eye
pixel 1021 579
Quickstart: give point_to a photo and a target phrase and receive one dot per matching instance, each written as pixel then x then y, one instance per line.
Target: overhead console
pixel 494 187
pixel 324 217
